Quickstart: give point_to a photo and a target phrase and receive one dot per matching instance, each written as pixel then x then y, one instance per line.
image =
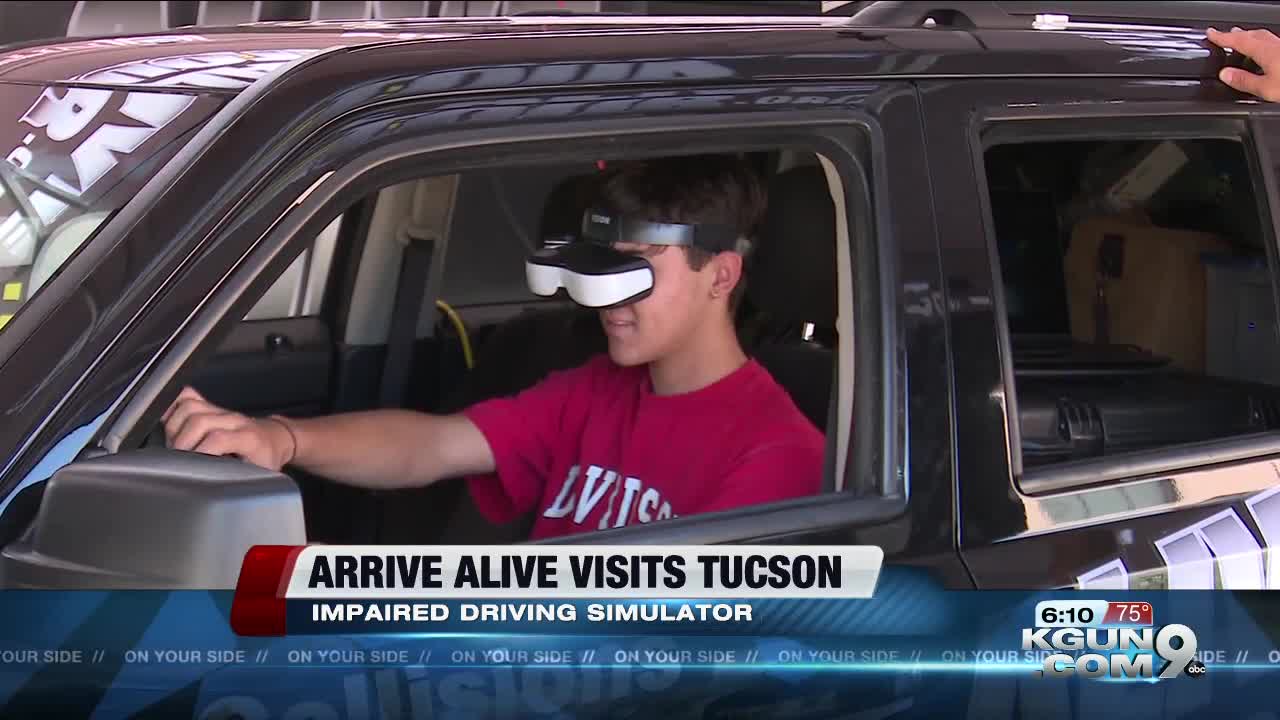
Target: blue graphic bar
pixel 911 651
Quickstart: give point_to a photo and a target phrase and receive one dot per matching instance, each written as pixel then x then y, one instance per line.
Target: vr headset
pixel 596 275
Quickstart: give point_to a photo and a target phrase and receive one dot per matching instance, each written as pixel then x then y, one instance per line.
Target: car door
pixel 214 256
pixel 895 239
pixel 190 254
pixel 1168 477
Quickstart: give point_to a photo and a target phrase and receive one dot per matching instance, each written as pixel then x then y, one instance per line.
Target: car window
pixel 479 357
pixel 1138 293
pixel 300 290
pixel 72 157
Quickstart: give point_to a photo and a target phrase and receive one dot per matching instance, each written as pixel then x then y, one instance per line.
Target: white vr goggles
pixel 595 275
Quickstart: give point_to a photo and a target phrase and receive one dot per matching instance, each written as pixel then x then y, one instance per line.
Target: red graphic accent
pixel 258 608
pixel 1128 613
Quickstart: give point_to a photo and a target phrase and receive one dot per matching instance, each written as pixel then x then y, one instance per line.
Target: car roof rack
pixel 996 15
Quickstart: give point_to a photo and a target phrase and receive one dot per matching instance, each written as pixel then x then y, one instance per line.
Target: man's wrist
pixel 291 433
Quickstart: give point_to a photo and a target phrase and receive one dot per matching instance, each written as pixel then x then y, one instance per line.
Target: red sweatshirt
pixel 594 448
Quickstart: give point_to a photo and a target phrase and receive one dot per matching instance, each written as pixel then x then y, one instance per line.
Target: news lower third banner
pixel 370 589
pixel 628 631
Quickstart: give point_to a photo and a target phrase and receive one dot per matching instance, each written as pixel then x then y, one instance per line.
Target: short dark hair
pixel 719 189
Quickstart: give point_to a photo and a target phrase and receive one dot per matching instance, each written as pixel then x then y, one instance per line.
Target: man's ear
pixel 727 269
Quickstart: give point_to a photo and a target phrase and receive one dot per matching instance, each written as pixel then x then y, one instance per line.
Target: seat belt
pixel 415 269
pixel 423 236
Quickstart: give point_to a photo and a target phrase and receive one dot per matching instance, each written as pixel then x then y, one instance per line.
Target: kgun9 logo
pixel 1128 653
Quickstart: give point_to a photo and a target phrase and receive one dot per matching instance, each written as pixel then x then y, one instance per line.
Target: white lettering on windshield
pixel 59 115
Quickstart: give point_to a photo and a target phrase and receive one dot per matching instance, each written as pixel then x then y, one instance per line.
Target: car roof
pixel 843 48
pixel 72 59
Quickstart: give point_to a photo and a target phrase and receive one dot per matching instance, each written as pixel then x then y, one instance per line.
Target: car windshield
pixel 72 157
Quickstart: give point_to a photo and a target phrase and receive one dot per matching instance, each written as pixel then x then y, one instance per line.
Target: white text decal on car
pixel 213 70
pixel 70 48
pixel 61 114
pixel 1217 552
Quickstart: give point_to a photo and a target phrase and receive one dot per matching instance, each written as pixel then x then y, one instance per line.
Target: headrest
pixel 562 212
pixel 793 275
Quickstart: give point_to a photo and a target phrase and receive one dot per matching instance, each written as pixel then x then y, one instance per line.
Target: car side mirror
pixel 152 519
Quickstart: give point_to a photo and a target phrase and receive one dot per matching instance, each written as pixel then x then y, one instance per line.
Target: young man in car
pixel 675 420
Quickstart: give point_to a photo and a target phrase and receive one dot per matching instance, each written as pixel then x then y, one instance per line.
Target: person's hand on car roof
pixel 195 424
pixel 1263 48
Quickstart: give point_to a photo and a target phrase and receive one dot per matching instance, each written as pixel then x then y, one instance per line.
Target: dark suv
pixel 1019 268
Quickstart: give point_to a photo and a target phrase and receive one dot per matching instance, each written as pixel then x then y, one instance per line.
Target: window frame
pixel 876 487
pixel 1172 121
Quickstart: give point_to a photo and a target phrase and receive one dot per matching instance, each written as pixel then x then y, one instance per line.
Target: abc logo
pixel 1195 669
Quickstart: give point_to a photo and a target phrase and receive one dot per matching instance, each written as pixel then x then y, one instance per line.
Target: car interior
pixel 416 297
pixel 1139 299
